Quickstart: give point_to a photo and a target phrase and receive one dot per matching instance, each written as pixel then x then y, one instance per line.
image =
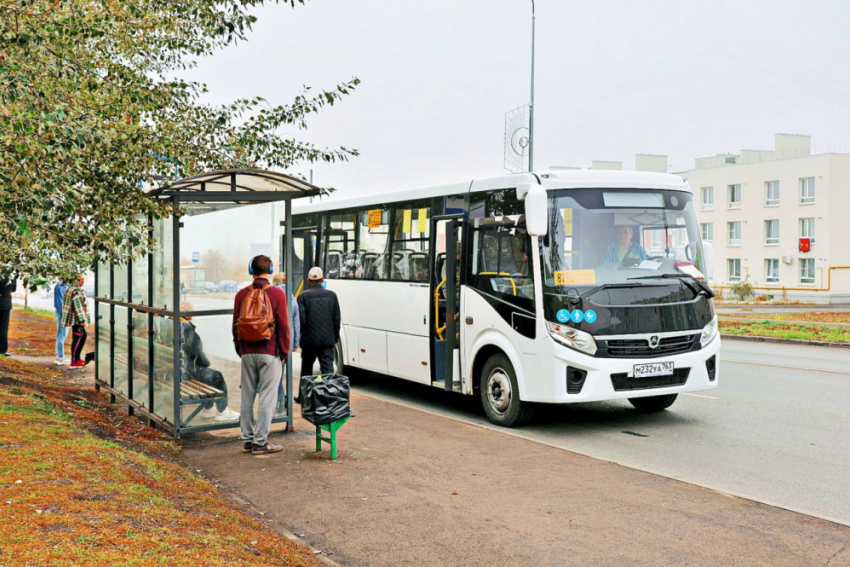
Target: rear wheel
pixel 500 394
pixel 339 362
pixel 341 368
pixel 654 403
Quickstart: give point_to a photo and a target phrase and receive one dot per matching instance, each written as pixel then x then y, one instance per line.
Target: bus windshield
pixel 619 236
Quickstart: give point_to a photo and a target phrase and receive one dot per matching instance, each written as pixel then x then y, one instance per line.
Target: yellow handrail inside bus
pixel 439 330
pixel 300 287
pixel 513 283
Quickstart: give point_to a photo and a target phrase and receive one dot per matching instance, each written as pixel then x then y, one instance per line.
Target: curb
pixel 251 509
pixel 784 341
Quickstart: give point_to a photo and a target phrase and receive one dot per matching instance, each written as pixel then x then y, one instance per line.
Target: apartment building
pixel 779 218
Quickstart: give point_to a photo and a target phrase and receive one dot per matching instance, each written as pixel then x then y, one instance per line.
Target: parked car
pixel 210 287
pixel 227 285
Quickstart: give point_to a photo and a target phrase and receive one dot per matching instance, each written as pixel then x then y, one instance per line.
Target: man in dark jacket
pixel 7 287
pixel 320 320
pixel 261 361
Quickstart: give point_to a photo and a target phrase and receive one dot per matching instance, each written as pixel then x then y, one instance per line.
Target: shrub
pixel 743 289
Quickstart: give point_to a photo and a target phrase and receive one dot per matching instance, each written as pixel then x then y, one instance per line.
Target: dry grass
pixel 81 484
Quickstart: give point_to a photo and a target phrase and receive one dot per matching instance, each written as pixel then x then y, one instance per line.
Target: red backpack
pixel 255 323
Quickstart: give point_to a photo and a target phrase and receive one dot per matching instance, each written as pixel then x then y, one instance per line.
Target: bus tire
pixel 339 362
pixel 653 403
pixel 500 395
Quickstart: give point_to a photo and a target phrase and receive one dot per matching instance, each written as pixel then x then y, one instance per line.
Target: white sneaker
pixel 227 415
pixel 60 361
pixel 208 414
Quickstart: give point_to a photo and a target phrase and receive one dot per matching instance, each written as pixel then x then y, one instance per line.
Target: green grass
pixel 823 333
pixel 42 312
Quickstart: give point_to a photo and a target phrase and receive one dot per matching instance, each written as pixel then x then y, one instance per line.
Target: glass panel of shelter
pixel 209 365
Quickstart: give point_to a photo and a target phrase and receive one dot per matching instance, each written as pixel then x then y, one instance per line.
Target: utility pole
pixel 531 104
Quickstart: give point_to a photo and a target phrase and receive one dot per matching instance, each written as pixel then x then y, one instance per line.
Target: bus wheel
pixel 500 395
pixel 654 403
pixel 339 364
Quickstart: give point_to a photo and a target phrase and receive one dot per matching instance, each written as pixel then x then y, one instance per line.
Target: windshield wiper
pixel 701 287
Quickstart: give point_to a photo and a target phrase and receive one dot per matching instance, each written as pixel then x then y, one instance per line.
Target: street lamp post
pixel 531 104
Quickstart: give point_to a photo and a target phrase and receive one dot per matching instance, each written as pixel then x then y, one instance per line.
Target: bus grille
pixel 622 382
pixel 639 348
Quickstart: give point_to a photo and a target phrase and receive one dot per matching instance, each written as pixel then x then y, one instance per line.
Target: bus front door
pixel 446 237
pixel 303 258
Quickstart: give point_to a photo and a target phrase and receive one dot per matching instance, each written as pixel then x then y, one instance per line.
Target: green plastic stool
pixel 332 428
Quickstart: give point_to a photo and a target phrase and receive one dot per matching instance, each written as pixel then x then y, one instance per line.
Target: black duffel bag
pixel 324 398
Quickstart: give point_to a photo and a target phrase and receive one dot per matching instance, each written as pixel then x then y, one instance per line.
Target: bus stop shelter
pixel 163 322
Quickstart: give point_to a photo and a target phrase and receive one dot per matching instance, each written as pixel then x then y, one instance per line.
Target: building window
pixel 707 198
pixel 807 190
pixel 733 269
pixel 707 230
pixel 771 231
pixel 807 270
pixel 734 195
pixel 807 229
pixel 734 233
pixel 771 270
pixel 771 193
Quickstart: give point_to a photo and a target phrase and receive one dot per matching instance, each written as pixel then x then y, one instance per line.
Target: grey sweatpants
pixel 260 375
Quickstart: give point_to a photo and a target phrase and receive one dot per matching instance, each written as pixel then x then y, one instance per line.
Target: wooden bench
pixel 192 392
pixel 195 393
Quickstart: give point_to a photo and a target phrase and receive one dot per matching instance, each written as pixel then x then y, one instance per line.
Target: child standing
pixel 75 314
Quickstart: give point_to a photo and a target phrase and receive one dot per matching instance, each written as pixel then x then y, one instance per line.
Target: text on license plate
pixel 653 369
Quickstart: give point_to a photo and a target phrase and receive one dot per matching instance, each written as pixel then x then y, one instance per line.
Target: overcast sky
pixel 613 78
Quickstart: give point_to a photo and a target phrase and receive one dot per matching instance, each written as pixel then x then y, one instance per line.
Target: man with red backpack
pixel 261 338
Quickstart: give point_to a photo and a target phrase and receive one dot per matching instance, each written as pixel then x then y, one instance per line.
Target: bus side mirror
pixel 708 251
pixel 535 208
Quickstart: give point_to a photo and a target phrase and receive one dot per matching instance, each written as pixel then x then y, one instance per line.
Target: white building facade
pixel 778 219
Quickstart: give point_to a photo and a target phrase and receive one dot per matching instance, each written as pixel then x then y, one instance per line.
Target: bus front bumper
pixel 582 378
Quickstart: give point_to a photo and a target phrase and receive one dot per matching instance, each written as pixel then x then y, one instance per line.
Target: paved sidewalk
pixel 413 488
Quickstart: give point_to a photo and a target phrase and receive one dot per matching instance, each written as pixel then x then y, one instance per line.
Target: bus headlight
pixel 573 338
pixel 708 332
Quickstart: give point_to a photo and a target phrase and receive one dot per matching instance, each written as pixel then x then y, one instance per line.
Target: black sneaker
pixel 247 446
pixel 266 449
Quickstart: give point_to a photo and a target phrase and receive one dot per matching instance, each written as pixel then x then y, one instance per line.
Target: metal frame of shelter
pixel 229 187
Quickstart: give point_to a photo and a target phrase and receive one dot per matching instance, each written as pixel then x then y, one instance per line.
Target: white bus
pixel 558 287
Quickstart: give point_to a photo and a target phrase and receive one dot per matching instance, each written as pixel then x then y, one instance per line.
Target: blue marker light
pixel 590 316
pixel 563 316
pixel 577 316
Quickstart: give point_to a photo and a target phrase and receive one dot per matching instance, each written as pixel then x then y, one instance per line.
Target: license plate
pixel 653 369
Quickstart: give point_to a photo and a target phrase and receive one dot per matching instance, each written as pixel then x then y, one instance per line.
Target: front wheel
pixel 500 394
pixel 653 403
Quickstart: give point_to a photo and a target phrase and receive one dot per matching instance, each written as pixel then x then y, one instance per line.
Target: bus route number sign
pixel 575 277
pixel 374 218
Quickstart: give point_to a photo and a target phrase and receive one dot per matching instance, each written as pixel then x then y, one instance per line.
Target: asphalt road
pixel 775 431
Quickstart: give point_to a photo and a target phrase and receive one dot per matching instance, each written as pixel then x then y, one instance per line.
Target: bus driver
pixel 624 249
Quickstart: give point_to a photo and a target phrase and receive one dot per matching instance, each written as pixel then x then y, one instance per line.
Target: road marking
pixel 699 396
pixel 786 366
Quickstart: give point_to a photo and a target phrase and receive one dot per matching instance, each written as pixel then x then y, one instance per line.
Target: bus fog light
pixel 708 332
pixel 572 338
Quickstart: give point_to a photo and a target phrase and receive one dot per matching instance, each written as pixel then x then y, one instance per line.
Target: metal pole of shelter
pixel 531 104
pixel 175 298
pixel 287 263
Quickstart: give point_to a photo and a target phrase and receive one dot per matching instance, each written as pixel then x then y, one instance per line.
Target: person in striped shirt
pixel 75 314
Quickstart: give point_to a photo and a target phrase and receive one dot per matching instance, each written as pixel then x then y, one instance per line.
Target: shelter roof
pixel 238 184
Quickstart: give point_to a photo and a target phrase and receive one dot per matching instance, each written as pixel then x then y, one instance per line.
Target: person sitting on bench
pixel 196 366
